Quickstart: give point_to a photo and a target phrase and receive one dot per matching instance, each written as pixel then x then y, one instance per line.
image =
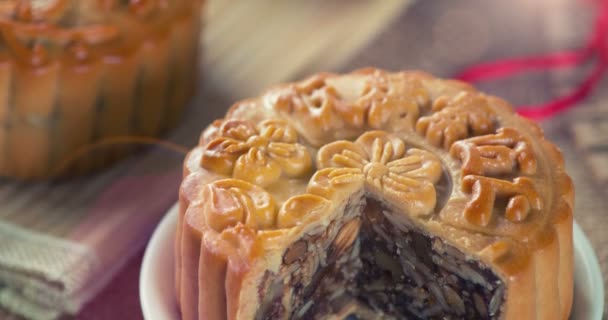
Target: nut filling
pixel 394 272
pixel 409 274
pixel 318 273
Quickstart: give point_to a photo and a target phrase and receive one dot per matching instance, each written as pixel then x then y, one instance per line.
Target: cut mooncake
pixel 378 195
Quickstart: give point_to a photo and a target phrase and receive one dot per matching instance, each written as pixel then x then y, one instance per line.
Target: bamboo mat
pixel 60 242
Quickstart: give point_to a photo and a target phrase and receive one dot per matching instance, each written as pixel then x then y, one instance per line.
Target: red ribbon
pixel 595 49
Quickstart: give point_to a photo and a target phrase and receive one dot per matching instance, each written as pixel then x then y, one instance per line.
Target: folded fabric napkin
pixel 60 243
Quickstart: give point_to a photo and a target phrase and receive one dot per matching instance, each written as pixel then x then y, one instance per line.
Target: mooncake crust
pixel 100 69
pixel 456 162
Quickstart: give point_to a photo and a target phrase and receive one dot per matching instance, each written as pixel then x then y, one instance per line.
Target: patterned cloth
pixel 57 253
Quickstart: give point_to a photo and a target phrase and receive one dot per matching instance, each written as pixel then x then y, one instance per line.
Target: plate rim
pixel 149 309
pixel 146 272
pixel 592 267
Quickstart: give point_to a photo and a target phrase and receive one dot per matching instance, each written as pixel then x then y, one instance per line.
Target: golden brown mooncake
pixel 376 194
pixel 75 72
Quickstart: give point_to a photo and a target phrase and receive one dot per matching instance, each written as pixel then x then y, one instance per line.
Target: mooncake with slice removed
pixel 377 194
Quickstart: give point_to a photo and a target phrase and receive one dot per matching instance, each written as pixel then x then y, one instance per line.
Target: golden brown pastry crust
pixel 100 69
pixel 251 188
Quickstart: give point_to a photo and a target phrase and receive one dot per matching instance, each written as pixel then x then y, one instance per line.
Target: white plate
pixel 156 283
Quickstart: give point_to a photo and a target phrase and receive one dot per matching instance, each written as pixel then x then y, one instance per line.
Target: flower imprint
pixel 381 163
pixel 342 107
pixel 393 101
pixel 260 155
pixel 466 114
pixel 230 202
pixel 300 208
pixel 316 103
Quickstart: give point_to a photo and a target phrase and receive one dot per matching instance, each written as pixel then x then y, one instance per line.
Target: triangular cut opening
pixel 366 265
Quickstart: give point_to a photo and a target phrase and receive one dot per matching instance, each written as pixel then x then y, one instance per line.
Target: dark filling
pixel 411 275
pixel 321 278
pixel 396 273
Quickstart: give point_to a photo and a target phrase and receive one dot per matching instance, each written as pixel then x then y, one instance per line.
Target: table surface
pixel 442 37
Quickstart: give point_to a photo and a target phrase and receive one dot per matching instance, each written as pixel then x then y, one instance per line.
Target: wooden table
pixel 439 36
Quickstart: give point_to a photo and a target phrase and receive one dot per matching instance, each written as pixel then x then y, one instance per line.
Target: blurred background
pixel 249 45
